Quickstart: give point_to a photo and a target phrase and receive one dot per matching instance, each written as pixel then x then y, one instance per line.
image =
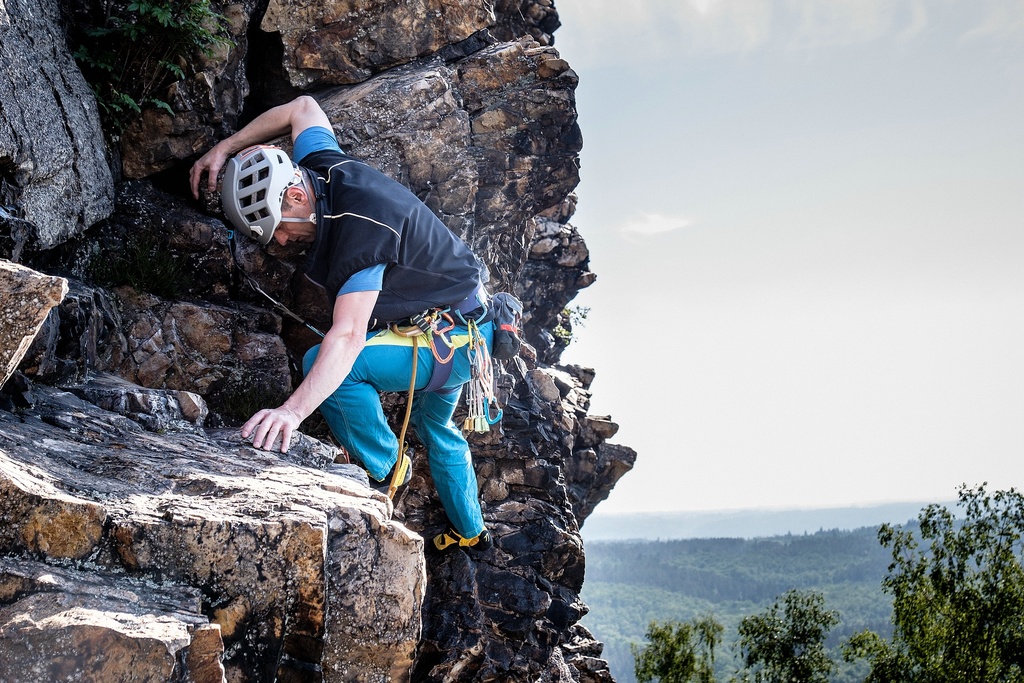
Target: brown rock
pixel 84 333
pixel 347 42
pixel 300 568
pixel 155 410
pixel 28 297
pixel 516 18
pixel 487 145
pixel 62 624
pixel 207 102
pixel 234 358
pixel 558 267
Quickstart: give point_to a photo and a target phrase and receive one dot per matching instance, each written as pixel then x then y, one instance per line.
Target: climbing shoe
pixel 404 475
pixel 451 539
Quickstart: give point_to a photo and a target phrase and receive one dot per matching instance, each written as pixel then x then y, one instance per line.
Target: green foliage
pixel 570 318
pixel 131 51
pixel 145 264
pixel 679 652
pixel 958 604
pixel 631 583
pixel 786 643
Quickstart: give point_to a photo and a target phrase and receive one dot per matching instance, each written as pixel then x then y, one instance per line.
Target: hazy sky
pixel 807 220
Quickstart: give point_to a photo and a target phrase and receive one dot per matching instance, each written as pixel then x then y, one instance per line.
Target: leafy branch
pixel 131 52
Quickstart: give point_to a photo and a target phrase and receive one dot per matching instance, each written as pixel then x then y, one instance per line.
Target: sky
pixel 807 222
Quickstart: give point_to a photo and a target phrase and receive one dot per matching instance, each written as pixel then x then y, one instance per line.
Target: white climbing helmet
pixel 255 181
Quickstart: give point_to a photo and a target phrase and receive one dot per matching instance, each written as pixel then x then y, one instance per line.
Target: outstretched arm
pixel 342 344
pixel 293 117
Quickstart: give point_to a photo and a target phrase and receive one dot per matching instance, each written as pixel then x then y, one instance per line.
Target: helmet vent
pixel 255 182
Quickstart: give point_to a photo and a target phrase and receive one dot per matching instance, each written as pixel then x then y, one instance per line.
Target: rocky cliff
pixel 142 539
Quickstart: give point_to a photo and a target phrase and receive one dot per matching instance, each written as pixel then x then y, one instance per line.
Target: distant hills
pixel 743 523
pixel 631 583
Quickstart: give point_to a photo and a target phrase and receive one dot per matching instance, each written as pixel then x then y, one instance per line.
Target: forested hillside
pixel 630 583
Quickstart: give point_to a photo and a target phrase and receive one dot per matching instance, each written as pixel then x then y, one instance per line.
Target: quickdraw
pixel 433 325
pixel 480 396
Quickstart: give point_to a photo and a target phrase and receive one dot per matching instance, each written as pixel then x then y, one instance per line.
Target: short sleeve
pixel 314 139
pixel 366 280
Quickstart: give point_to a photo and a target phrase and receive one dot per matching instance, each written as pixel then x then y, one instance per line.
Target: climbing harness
pixel 480 398
pixel 433 325
pixel 255 285
pixel 436 326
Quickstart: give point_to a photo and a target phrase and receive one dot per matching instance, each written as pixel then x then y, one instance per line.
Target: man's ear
pixel 295 195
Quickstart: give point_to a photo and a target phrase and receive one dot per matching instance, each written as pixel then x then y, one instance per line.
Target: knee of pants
pixel 309 358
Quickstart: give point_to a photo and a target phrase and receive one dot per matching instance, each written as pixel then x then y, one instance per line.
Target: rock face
pixel 347 42
pixel 54 177
pixel 207 103
pixel 66 624
pixel 264 540
pixel 557 268
pixel 195 557
pixel 28 297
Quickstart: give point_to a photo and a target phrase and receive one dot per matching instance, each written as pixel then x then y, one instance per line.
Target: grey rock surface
pixel 54 177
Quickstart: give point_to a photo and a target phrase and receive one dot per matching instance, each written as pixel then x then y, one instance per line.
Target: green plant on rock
pixel 570 318
pixel 130 52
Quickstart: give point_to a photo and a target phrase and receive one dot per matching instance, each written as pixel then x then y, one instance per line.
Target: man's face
pixel 296 205
pixel 294 232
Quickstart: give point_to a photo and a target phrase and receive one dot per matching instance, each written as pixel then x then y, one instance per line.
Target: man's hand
pixel 210 163
pixel 292 117
pixel 338 351
pixel 267 424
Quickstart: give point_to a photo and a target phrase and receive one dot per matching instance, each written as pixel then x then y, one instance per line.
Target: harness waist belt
pixel 469 305
pixel 465 310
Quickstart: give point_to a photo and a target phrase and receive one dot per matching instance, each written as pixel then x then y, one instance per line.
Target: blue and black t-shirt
pixel 368 224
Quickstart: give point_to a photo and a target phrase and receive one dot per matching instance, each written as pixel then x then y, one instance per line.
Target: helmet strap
pixel 310 197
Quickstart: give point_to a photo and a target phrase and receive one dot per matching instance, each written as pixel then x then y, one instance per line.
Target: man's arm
pixel 293 117
pixel 342 344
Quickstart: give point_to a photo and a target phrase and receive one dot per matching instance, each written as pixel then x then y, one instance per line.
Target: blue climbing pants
pixel 357 420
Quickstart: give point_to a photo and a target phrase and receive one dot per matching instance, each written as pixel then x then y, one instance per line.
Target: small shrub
pixel 570 318
pixel 130 52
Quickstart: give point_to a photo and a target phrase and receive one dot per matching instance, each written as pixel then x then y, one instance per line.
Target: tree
pixel 679 652
pixel 958 605
pixel 786 643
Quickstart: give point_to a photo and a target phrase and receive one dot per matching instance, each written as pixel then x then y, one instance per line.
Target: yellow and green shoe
pixel 452 539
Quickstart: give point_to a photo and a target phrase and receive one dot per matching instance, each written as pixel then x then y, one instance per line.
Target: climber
pixel 384 257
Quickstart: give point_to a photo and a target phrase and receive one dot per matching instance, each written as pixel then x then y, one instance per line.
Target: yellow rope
pixel 399 462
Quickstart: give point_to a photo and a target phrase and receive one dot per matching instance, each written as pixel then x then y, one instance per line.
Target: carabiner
pixel 497 418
